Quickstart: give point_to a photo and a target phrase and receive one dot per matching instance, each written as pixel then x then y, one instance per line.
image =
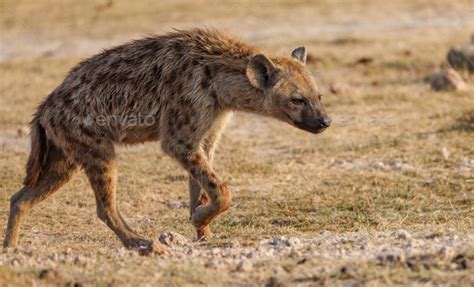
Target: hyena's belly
pixel 139 134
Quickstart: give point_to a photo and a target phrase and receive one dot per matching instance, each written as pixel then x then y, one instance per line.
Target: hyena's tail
pixel 38 153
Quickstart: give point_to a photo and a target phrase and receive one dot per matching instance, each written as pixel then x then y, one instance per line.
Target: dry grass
pixel 285 181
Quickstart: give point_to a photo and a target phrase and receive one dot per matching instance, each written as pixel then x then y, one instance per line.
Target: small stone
pixel 403 166
pixel 251 254
pixel 234 245
pixel 389 258
pixel 15 262
pixel 177 205
pixel 446 252
pixel 215 251
pixel 80 260
pixel 378 165
pixel 274 282
pixel 48 274
pixel 445 153
pixel 54 256
pixel 462 57
pixel 302 261
pixel 278 270
pixel 173 238
pixel 461 261
pixel 244 266
pixel 293 241
pixel 447 80
pixel 280 241
pixel 396 165
pixel 403 234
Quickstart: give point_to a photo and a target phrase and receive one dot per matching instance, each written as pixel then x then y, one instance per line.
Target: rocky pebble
pixel 447 80
pixel 462 57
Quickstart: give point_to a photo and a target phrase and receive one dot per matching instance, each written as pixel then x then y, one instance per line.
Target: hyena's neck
pixel 233 91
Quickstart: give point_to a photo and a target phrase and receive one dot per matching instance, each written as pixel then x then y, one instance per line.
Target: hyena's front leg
pixel 197 195
pixel 196 163
pixel 217 191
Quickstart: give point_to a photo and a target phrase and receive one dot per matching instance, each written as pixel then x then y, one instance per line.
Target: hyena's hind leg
pixel 57 170
pixel 102 174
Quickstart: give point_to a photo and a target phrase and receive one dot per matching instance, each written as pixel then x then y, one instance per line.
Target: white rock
pixel 293 241
pixel 190 251
pixel 54 256
pixel 234 245
pixel 378 165
pixel 244 266
pixel 173 238
pixel 251 254
pixel 278 270
pixel 403 234
pixel 446 252
pixel 80 260
pixel 177 205
pixel 447 80
pixel 445 153
pixel 215 251
pixel 15 262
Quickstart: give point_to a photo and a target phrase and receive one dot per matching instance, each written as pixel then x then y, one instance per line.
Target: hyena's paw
pixel 203 233
pixel 147 247
pixel 203 215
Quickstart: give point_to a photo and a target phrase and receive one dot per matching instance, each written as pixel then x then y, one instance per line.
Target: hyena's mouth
pixel 315 129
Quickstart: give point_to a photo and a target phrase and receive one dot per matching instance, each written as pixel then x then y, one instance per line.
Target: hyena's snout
pixel 325 122
pixel 320 124
pixel 315 122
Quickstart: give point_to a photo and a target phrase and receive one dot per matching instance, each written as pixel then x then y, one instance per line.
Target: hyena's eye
pixel 298 101
pixel 320 96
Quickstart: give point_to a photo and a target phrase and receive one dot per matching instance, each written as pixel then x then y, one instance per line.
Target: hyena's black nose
pixel 326 122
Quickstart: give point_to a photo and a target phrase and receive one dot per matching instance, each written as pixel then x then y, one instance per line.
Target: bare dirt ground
pixel 385 196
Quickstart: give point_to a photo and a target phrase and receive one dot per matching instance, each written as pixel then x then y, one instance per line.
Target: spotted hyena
pixel 179 88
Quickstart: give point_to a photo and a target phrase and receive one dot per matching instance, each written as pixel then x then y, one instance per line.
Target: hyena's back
pixel 124 94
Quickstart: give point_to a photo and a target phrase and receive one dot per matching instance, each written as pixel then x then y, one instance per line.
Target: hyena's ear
pixel 261 72
pixel 299 54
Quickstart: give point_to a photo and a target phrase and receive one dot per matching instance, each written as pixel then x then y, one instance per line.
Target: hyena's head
pixel 291 95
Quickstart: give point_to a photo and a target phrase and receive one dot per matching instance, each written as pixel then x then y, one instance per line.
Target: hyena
pixel 189 83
